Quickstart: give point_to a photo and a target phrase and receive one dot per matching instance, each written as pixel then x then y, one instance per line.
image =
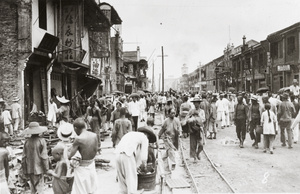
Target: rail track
pixel 204 175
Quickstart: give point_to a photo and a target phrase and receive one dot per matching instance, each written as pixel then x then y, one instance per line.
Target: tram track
pixel 204 175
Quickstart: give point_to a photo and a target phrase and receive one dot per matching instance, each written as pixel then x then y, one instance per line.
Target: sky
pixel 197 31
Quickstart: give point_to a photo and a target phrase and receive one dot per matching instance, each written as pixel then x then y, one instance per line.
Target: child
pixel 4 170
pixel 7 120
pixel 35 159
pixel 66 134
pixel 59 184
pixel 269 122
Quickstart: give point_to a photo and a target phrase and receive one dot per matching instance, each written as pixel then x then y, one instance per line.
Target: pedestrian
pixel 66 134
pixel 241 120
pixel 167 108
pixel 221 109
pixel 51 118
pixel 231 106
pixel 195 120
pixel 296 128
pixel 143 106
pixel 64 110
pixel 2 107
pixel 4 167
pixel 184 110
pixel 212 126
pixel 205 105
pixel 16 113
pixel 269 123
pixel 254 120
pixel 116 113
pixel 95 122
pixel 59 183
pixel 286 110
pixel 134 110
pixel 170 132
pixel 35 161
pixel 295 89
pixel 121 127
pixel 7 120
pixel 131 153
pixel 151 110
pixel 85 175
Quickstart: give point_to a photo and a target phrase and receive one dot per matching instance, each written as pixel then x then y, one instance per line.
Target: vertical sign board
pixel 70 33
pixel 95 67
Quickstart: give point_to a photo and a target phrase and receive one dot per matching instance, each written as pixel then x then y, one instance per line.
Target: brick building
pixel 49 45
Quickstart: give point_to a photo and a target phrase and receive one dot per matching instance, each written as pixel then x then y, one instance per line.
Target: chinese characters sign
pixel 70 31
pixel 95 66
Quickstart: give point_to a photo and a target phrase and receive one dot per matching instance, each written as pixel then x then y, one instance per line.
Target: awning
pixel 43 54
pixel 88 84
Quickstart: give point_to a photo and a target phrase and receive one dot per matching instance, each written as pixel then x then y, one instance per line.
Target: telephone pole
pixel 153 77
pixel 162 68
pixel 159 83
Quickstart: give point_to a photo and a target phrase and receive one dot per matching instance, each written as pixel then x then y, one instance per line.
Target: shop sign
pixel 283 68
pixel 71 33
pixel 130 69
pixel 95 66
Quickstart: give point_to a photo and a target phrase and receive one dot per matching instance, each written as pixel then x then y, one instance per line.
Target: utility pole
pixel 162 69
pixel 159 83
pixel 153 77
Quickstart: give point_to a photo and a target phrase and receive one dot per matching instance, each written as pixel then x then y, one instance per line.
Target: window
pixel 214 83
pixel 291 47
pixel 274 48
pixel 42 14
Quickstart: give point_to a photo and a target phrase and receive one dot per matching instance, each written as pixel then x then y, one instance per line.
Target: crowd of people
pixel 130 120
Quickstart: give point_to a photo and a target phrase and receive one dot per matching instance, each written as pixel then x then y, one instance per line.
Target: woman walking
pixel 269 123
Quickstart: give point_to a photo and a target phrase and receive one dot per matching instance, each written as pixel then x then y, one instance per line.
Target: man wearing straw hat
pixel 195 119
pixel 35 158
pixel 16 113
pixel 64 110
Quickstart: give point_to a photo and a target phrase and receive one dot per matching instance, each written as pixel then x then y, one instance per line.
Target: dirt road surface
pixel 250 170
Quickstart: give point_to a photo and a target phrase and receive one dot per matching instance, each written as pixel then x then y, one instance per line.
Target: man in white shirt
pixel 221 111
pixel 134 110
pixel 226 104
pixel 131 152
pixel 295 88
pixel 143 106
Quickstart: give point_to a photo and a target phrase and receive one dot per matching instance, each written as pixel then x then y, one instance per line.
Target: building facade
pixel 284 56
pixel 51 50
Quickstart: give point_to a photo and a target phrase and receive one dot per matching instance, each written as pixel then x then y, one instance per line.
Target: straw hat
pixel 16 99
pixel 151 137
pixel 196 99
pixel 285 95
pixel 1 100
pixel 253 97
pixel 34 128
pixel 62 99
pixel 65 131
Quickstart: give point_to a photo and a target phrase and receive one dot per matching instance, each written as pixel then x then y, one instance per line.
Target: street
pixel 252 171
